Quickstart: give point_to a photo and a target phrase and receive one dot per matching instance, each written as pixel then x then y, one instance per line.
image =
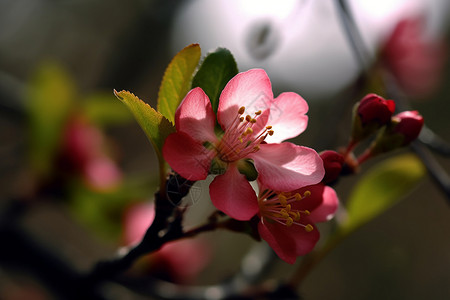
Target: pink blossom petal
pixel 232 194
pixel 287 117
pixel 185 258
pixel 195 116
pixel 187 157
pixel 328 206
pixel 278 240
pixel 102 173
pixel 251 89
pixel 311 202
pixel 137 219
pixel 288 242
pixel 286 167
pixel 304 240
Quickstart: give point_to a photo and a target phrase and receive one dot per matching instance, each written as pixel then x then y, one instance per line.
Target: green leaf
pixel 50 98
pixel 381 188
pixel 102 211
pixel 177 80
pixel 216 70
pixel 154 124
pixel 101 110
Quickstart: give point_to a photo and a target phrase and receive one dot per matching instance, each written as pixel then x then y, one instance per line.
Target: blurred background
pixel 78 174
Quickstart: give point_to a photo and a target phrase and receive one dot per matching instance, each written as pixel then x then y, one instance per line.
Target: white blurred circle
pixel 301 44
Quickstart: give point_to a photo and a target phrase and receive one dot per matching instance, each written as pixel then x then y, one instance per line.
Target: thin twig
pixel 353 35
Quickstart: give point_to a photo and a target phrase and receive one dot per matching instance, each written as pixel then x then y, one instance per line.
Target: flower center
pixel 276 207
pixel 239 140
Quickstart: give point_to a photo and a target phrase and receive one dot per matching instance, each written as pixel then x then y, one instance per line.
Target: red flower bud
pixel 332 162
pixel 408 124
pixel 403 129
pixel 370 114
pixel 375 109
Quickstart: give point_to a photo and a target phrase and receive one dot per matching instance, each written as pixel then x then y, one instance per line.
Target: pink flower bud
pixel 332 162
pixel 370 114
pixel 375 109
pixel 408 124
pixel 403 129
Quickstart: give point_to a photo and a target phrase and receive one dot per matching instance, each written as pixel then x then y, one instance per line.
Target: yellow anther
pixel 258 113
pixel 248 118
pixel 248 131
pixel 298 197
pixel 253 121
pixel 296 216
pixel 256 148
pixel 241 110
pixel 269 127
pixel 270 132
pixel 306 194
pixel 241 140
pixel 288 208
pixel 284 213
pixel 282 198
pixel 309 228
pixel 307 212
pixel 241 119
pixel 289 222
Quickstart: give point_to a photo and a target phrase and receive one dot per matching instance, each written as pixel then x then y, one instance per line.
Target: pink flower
pixel 85 148
pixel 180 260
pixel 239 150
pixel 287 218
pixel 415 60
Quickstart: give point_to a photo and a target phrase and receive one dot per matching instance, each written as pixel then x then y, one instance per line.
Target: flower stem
pixel 365 156
pixel 351 145
pixel 162 176
pixel 203 228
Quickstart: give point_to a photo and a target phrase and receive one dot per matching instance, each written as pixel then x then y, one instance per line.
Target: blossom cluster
pixel 375 115
pixel 244 141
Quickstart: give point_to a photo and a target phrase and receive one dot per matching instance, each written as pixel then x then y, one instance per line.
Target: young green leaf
pixel 216 70
pixel 177 80
pixel 50 98
pixel 154 124
pixel 381 188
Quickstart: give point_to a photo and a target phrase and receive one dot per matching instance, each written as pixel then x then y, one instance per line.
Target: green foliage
pixel 177 80
pixel 102 211
pixel 216 70
pixel 381 188
pixel 99 108
pixel 154 124
pixel 50 98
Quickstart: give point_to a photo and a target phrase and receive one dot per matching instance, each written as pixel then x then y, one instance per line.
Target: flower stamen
pixel 240 138
pixel 277 207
